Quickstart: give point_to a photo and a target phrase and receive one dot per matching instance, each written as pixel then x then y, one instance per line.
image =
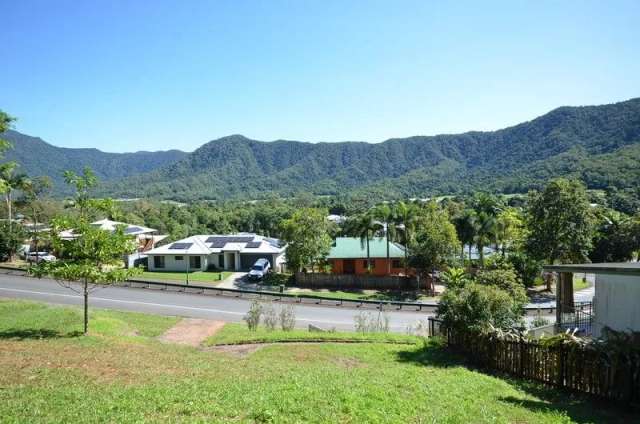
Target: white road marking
pixel 160 304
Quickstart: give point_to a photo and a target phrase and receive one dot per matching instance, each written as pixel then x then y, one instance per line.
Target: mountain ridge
pixel 564 141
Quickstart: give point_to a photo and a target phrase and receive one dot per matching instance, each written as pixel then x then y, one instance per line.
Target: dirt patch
pixel 241 350
pixel 191 332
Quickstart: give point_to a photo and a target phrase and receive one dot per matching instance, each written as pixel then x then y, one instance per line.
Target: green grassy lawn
pixel 121 373
pixel 579 283
pixel 240 334
pixel 196 276
pixel 365 295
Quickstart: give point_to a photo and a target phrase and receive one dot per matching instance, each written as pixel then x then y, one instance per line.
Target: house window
pixel 194 262
pixel 396 263
pixel 221 260
pixel 365 264
pixel 178 258
pixel 158 261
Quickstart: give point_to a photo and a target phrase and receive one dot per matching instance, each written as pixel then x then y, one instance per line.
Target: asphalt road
pixel 188 305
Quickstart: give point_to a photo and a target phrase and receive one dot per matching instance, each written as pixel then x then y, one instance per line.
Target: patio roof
pixel 622 268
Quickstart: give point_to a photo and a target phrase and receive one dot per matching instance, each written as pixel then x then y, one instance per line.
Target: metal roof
pixel 353 248
pixel 623 268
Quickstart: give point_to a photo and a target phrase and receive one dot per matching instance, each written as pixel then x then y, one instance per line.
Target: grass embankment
pixel 121 373
pixel 179 277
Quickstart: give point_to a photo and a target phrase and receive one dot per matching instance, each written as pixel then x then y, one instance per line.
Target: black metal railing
pixel 579 317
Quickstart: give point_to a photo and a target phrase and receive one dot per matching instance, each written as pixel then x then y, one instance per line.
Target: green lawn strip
pixel 240 334
pixel 358 295
pixel 579 283
pixel 127 380
pixel 197 276
pixel 33 320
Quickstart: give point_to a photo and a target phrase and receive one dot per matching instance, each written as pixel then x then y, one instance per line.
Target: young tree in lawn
pixel 308 238
pixel 435 241
pixel 560 225
pixel 92 257
pixel 33 193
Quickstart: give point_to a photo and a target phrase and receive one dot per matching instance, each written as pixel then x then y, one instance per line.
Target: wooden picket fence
pixel 608 374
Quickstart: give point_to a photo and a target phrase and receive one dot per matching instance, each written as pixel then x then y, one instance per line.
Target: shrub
pixel 253 315
pixel 477 307
pixel 277 279
pixel 527 268
pixel 539 321
pixel 455 278
pixel 270 317
pixel 367 322
pixel 504 279
pixel 287 317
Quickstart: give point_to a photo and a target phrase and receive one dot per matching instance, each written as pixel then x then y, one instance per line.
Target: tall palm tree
pixel 485 233
pixel 10 182
pixel 385 216
pixel 465 224
pixel 405 217
pixel 365 228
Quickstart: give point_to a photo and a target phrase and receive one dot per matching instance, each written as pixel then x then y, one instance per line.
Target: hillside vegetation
pixel 37 157
pixel 599 145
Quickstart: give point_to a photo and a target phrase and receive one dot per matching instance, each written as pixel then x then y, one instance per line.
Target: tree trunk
pixel 462 253
pixel 368 255
pixel 567 291
pixel 388 262
pixel 86 307
pixel 10 216
pixel 481 255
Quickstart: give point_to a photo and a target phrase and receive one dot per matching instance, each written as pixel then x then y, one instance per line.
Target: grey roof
pixel 624 268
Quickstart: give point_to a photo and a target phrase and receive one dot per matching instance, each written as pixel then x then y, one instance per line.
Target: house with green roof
pixel 348 255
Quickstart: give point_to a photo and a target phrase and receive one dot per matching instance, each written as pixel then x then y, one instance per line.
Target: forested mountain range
pixel 37 157
pixel 597 144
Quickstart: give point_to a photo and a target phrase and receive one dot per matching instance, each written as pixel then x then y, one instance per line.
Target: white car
pixel 259 269
pixel 40 257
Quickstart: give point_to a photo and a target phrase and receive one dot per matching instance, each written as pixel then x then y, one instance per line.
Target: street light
pixel 188 261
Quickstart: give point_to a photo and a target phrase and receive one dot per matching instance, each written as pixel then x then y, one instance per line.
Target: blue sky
pixel 154 75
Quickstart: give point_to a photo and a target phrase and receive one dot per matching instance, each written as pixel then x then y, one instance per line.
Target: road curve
pixel 188 305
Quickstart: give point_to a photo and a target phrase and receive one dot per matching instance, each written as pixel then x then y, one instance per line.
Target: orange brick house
pixel 348 255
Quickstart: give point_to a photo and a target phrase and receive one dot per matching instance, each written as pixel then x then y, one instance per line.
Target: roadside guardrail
pixel 300 298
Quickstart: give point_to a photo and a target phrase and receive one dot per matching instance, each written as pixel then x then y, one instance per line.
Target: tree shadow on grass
pixel 580 408
pixel 36 333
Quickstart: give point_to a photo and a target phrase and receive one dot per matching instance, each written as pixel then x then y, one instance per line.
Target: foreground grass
pixel 197 276
pixel 48 375
pixel 240 334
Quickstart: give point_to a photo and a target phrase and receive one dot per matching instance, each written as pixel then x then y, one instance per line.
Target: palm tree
pixel 365 227
pixel 405 217
pixel 385 216
pixel 10 182
pixel 485 233
pixel 466 228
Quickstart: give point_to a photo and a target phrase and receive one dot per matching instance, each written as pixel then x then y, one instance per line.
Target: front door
pixel 349 266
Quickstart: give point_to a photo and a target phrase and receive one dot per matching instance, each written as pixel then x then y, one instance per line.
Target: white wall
pixel 170 264
pixel 616 303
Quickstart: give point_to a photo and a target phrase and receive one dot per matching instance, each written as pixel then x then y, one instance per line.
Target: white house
pixel 616 296
pixel 234 252
pixel 146 238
